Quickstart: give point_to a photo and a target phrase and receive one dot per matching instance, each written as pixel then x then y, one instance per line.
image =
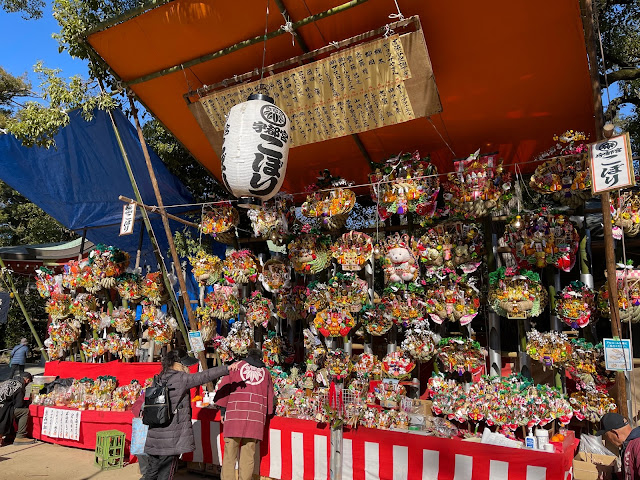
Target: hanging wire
pixel 626 295
pixel 398 15
pixel 264 45
pixel 201 221
pixel 441 137
pixel 189 88
pixel 604 66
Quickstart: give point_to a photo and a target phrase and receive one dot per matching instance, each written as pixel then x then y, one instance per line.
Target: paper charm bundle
pixel 272 349
pixel 552 349
pixel 352 250
pixel 63 333
pixel 338 364
pixel 206 268
pixel 160 326
pixel 376 321
pixel 452 300
pixel 259 309
pixel 406 183
pixel 222 303
pixel 122 319
pixel 316 297
pixel 113 343
pixel 58 306
pixel 46 282
pixel 404 307
pixel 478 186
pixel 221 347
pixel 592 403
pixel 240 267
pixel 309 254
pixel 348 292
pixel 107 263
pixel 397 365
pixel 586 358
pixel 575 305
pixel 219 222
pixel 626 213
pixel 331 208
pixel 153 288
pixel 75 273
pixel 515 293
pixel 367 366
pixel 543 238
pixel 453 245
pixel 628 282
pixel 81 305
pixel 399 260
pixel 566 175
pixel 334 323
pixel 271 221
pixel 94 347
pixel 460 355
pixel 129 287
pixel 240 339
pixel 420 343
pixel 275 275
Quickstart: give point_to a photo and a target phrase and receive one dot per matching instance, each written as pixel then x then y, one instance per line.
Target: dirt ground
pixel 53 462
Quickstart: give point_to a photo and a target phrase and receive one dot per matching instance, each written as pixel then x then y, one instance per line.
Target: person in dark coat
pixel 246 399
pixel 165 444
pixel 14 408
pixel 19 358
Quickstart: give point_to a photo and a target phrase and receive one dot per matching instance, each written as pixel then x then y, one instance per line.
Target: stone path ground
pixel 44 461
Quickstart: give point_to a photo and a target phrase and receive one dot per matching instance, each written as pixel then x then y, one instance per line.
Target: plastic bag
pixel 593 444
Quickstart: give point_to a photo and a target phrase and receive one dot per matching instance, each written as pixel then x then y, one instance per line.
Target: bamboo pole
pixel 154 209
pixel 16 295
pixel 245 43
pixel 147 223
pixel 616 327
pixel 167 231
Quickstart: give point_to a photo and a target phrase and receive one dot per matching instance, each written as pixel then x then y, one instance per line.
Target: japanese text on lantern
pixel 611 164
pixel 355 90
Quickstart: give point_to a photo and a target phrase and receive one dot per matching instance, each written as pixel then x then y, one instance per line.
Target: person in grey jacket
pixel 165 444
pixel 19 357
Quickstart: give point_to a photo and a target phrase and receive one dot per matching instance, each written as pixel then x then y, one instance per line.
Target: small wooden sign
pixel 128 219
pixel 611 164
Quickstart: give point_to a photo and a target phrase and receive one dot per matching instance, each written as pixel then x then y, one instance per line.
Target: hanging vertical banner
pixel 128 219
pixel 611 164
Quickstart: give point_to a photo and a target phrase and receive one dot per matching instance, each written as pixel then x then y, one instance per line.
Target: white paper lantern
pixel 255 148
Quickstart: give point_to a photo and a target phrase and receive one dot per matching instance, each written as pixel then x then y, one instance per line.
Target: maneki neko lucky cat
pixel 399 262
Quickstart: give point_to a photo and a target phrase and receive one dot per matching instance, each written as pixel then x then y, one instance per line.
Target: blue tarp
pixel 79 181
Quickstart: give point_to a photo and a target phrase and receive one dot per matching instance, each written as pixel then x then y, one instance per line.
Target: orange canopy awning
pixel 510 74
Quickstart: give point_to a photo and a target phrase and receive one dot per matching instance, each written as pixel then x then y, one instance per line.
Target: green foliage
pixel 619 24
pixel 179 161
pixel 24 223
pixel 16 326
pixel 28 8
pixel 11 88
pixel 36 124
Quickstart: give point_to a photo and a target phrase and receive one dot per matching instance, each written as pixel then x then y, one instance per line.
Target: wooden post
pixel 139 252
pixel 84 238
pixel 493 319
pixel 16 295
pixel 167 231
pixel 616 327
pixel 147 223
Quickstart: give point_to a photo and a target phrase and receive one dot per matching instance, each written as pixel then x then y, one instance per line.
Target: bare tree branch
pixel 622 74
pixel 616 103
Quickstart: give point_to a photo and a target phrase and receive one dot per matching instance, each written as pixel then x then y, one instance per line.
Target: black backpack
pixel 157 410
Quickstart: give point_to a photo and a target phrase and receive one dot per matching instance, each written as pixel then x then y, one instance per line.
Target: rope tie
pixel 288 27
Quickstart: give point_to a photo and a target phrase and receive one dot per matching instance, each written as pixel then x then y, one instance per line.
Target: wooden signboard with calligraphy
pixel 372 85
pixel 611 164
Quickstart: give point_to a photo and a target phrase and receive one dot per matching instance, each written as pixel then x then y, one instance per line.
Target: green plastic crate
pixel 110 449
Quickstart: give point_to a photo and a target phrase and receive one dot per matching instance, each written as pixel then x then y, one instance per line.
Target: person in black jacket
pixel 15 408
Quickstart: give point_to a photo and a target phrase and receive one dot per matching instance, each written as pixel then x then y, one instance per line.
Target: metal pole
pixel 493 319
pixel 6 275
pixel 84 238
